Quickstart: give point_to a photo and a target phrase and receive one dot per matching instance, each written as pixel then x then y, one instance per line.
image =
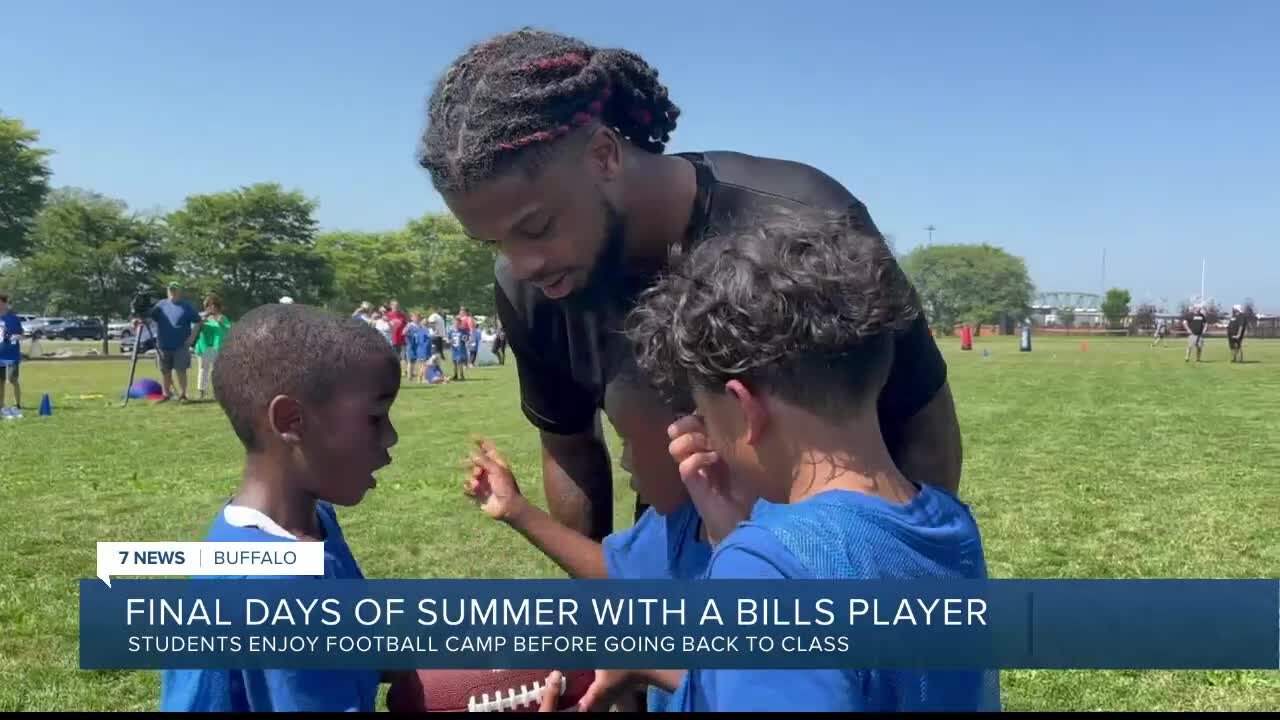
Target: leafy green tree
pixel 376 267
pixel 1115 306
pixel 252 246
pixel 24 184
pixel 459 270
pixel 90 256
pixel 971 284
pixel 26 293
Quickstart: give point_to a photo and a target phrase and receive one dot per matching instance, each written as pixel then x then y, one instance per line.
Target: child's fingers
pixel 691 467
pixel 551 693
pixel 685 425
pixel 490 450
pixel 688 444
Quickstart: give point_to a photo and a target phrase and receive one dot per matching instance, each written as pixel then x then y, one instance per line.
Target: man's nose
pixel 527 264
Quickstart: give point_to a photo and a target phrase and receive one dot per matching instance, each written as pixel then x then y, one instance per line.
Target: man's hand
pixel 491 484
pixel 706 476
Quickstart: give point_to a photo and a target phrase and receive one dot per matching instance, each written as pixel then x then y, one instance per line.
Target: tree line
pixel 73 251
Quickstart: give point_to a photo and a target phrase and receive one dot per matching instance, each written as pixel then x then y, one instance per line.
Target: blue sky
pixel 1054 130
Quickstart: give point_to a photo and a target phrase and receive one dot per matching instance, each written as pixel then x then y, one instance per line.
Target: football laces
pixel 510 699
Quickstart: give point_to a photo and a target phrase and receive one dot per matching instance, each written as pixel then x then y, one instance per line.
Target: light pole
pixel 930 228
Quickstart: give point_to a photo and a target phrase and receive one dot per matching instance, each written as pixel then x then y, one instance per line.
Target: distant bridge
pixel 1067 299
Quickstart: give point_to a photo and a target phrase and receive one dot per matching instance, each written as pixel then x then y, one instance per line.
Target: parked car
pixel 119 330
pixel 148 340
pixel 42 326
pixel 78 329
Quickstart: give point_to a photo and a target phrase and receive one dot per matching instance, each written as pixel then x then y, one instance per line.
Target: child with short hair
pixel 786 423
pixel 458 341
pixel 416 342
pixel 315 430
pixel 10 358
pixel 668 542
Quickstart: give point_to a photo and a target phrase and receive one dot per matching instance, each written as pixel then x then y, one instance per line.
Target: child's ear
pixel 284 414
pixel 754 414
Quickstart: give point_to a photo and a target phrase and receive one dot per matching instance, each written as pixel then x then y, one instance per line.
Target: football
pixel 482 690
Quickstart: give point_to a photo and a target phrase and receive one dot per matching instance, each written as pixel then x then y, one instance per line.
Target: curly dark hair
pixel 507 99
pixel 798 304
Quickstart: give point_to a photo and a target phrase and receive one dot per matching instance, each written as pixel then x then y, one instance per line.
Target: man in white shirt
pixel 438 334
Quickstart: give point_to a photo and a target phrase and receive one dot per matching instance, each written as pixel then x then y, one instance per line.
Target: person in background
pixel 399 321
pixel 1235 334
pixel 10 358
pixel 433 373
pixel 1162 329
pixel 500 344
pixel 177 326
pixel 465 325
pixel 212 331
pixel 435 323
pixel 380 323
pixel 458 342
pixel 476 334
pixel 1195 327
pixel 417 342
pixel 364 312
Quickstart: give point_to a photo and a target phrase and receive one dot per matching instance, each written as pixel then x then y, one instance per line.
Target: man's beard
pixel 608 272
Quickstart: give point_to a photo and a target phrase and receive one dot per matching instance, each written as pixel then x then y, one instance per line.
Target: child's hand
pixel 706 477
pixel 605 690
pixel 491 484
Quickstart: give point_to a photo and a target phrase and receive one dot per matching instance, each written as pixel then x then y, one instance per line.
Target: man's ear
pixel 604 155
pixel 284 414
pixel 755 416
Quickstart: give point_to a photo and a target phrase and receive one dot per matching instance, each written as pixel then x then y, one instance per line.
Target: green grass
pixel 1116 462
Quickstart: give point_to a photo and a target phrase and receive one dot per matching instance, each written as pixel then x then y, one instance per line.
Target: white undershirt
pixel 241 516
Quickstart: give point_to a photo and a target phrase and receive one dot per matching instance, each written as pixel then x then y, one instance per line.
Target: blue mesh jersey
pixel 273 690
pixel 659 547
pixel 848 535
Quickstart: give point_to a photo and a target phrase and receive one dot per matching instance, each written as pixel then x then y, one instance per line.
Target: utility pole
pixel 1103 289
pixel 930 228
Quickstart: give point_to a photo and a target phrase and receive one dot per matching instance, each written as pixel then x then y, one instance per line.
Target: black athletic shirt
pixel 1196 323
pixel 566 355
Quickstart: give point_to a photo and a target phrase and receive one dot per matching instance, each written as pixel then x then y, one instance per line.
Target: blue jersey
pixel 274 690
pixel 842 534
pixel 457 340
pixel 10 329
pixel 659 547
pixel 418 342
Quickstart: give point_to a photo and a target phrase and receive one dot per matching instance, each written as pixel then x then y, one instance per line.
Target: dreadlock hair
pixel 802 305
pixel 510 97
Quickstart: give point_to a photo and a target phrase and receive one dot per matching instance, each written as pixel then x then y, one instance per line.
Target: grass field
pixel 1116 462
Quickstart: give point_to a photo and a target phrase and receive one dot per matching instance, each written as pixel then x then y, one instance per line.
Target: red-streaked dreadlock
pixel 516 93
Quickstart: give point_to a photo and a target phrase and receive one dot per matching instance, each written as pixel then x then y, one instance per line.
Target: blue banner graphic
pixel 573 624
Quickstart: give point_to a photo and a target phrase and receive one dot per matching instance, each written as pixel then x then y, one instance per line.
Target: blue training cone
pixel 46 406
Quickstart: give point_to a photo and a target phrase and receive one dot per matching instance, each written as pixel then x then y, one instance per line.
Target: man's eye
pixel 539 232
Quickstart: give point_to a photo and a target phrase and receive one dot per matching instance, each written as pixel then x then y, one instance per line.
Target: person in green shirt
pixel 212 331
